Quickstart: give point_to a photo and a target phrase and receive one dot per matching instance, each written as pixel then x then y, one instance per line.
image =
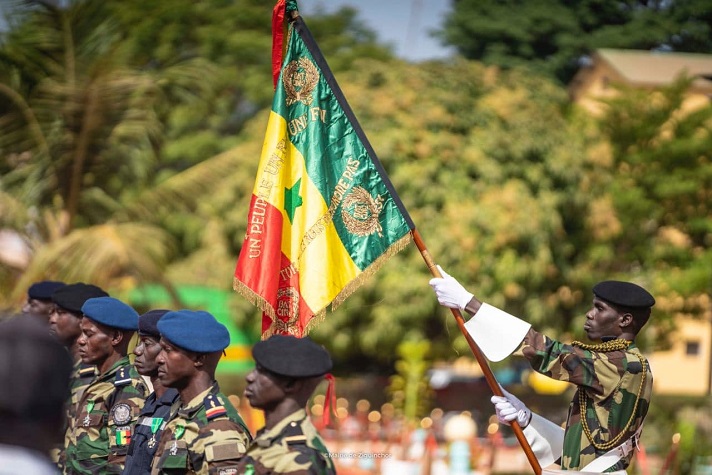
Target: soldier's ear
pixel 117 337
pixel 291 385
pixel 199 359
pixel 627 320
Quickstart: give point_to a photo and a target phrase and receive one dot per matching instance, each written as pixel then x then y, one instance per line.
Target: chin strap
pixel 329 399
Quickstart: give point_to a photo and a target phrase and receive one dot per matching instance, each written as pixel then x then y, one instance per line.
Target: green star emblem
pixel 292 200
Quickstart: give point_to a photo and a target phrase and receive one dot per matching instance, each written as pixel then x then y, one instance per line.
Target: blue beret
pixel 148 322
pixel 71 297
pixel 626 294
pixel 111 312
pixel 291 356
pixel 196 331
pixel 44 290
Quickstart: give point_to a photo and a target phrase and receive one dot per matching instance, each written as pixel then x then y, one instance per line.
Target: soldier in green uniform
pixel 100 433
pixel 206 434
pixel 64 323
pixel 287 371
pixel 613 379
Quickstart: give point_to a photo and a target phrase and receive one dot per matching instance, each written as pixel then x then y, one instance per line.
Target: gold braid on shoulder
pixel 605 347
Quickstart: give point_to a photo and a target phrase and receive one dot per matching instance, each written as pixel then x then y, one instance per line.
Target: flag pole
pixel 479 356
pixel 295 18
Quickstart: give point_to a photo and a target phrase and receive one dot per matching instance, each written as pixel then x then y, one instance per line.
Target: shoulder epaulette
pixel 213 407
pixel 122 377
pixel 87 371
pixel 293 434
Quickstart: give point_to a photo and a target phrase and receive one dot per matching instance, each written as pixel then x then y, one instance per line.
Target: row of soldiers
pixel 165 413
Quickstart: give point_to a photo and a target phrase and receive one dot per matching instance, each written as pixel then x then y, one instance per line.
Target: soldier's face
pixel 146 353
pixel 264 389
pixel 65 325
pixel 95 342
pixel 40 308
pixel 602 320
pixel 176 366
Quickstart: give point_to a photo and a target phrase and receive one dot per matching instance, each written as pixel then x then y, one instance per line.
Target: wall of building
pixel 685 368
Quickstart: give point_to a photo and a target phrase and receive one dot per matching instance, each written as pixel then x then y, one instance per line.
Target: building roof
pixel 655 68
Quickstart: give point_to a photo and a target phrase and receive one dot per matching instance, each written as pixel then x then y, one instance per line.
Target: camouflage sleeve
pixel 568 363
pixel 317 464
pixel 126 405
pixel 220 445
pixel 309 466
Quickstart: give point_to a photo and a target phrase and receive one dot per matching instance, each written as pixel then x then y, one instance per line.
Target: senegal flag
pixel 323 215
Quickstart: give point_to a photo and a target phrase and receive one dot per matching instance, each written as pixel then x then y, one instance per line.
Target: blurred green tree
pixel 660 190
pixel 80 129
pixel 409 388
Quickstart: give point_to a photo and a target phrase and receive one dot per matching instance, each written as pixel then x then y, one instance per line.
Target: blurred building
pixel 640 69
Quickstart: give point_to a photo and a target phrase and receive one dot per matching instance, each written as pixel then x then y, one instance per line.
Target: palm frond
pixel 114 255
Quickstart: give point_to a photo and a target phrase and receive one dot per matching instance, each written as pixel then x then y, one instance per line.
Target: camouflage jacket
pixel 608 383
pixel 99 435
pixel 81 377
pixel 205 436
pixel 291 447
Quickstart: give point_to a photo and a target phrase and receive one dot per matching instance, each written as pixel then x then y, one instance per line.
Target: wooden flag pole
pixel 479 356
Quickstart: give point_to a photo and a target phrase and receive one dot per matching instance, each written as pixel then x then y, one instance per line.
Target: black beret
pixel 111 312
pixel 626 294
pixel 43 290
pixel 71 297
pixel 194 330
pixel 291 356
pixel 148 322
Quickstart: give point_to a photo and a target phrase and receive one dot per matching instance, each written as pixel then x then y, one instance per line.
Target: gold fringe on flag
pixel 319 315
pixel 351 287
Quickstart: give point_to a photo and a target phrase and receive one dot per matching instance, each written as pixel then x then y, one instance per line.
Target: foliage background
pixel 130 133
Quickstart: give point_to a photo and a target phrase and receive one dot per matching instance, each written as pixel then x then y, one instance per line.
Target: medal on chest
pixel 155 425
pixel 178 434
pixel 87 419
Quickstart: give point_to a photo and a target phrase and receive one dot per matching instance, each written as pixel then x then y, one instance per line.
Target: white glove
pixel 509 408
pixel 449 291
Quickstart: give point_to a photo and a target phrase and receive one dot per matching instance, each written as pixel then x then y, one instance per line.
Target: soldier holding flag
pixel 613 378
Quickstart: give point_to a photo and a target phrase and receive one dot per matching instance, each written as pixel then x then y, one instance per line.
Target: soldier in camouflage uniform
pixel 287 371
pixel 64 322
pixel 101 431
pixel 613 379
pixel 206 435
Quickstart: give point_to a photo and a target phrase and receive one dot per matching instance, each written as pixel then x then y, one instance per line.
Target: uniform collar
pixel 168 397
pixel 276 431
pixel 195 404
pixel 123 361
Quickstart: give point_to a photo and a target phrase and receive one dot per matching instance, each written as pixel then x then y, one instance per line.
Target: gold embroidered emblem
pixel 360 212
pixel 300 77
pixel 287 310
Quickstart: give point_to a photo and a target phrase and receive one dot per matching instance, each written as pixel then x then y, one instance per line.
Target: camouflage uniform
pixel 610 381
pixel 99 435
pixel 82 377
pixel 206 435
pixel 291 447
